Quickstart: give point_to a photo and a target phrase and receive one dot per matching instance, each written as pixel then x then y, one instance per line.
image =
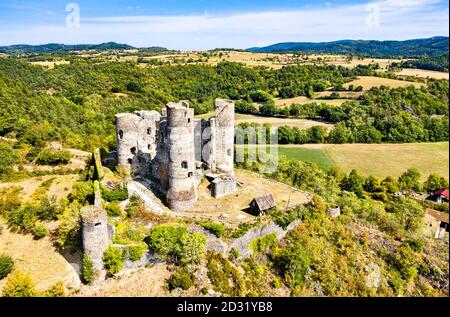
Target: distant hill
pixel 411 48
pixel 61 48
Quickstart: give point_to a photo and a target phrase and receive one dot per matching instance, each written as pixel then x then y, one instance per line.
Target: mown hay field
pixel 375 159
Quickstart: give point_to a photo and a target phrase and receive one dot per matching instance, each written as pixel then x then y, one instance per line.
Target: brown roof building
pixel 261 204
pixel 437 222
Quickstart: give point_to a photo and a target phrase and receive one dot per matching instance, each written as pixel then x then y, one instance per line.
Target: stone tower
pixel 224 136
pixel 181 194
pixel 136 136
pixel 94 229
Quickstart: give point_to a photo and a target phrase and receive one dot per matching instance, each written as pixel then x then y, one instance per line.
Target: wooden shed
pixel 261 204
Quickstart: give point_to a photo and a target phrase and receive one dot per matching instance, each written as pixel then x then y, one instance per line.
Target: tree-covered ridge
pixel 437 63
pixel 59 48
pixel 410 48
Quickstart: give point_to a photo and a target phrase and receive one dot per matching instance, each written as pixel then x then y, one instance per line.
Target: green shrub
pixel 224 276
pixel 23 218
pixel 119 194
pixel 234 254
pixel 88 272
pixel 264 244
pixel 217 228
pixel 135 235
pixel 56 290
pixel 6 265
pixel 39 232
pixel 113 209
pixel 54 158
pixel 19 285
pixel 192 248
pixel 181 278
pixel 113 260
pixel 417 244
pixel 135 252
pixel 82 192
pixel 68 236
pixel 166 240
pixel 241 231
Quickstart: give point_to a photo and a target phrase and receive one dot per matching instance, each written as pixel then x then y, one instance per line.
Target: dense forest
pixel 411 48
pixel 437 63
pixel 76 103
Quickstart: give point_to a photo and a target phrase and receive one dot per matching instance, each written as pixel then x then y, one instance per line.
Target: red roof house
pixel 442 194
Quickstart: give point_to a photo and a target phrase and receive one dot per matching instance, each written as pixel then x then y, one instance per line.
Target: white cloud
pixel 399 19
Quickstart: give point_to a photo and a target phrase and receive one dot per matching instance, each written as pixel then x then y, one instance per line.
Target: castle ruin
pixel 174 151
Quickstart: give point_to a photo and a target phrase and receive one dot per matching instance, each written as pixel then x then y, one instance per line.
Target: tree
pixel 7 158
pixel 317 134
pixel 410 180
pixel 434 183
pixel 372 184
pixel 390 185
pixel 166 240
pixel 268 109
pixel 340 134
pixel 354 183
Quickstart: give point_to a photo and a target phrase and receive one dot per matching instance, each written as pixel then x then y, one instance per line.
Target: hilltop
pixel 61 48
pixel 411 48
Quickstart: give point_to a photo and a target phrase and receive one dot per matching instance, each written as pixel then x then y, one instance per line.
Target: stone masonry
pixel 173 151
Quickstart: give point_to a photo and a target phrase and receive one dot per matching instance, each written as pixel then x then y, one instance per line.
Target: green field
pixel 375 159
pixel 318 156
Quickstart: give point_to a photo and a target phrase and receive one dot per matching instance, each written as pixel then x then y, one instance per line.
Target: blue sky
pixel 205 24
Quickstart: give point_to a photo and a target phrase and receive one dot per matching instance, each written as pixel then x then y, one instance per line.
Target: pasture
pixel 368 82
pixel 422 73
pixel 375 159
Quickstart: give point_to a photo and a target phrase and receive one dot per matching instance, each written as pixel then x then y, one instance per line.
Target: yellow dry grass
pixel 423 73
pixel 50 65
pixel 234 205
pixel 39 259
pixel 61 186
pixel 144 282
pixel 367 82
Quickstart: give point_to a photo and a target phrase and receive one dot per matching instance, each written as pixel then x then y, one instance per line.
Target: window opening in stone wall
pixel 98 224
pixel 229 152
pixel 190 174
pixel 149 131
pixel 184 164
pixel 121 134
pixel 133 150
pixel 130 161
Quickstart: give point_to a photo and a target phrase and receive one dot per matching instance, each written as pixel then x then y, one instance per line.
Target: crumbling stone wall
pixel 172 150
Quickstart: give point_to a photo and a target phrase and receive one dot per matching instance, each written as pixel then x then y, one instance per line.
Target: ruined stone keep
pixel 174 151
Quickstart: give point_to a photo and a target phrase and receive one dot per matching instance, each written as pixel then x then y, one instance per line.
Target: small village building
pixel 441 195
pixel 437 222
pixel 260 205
